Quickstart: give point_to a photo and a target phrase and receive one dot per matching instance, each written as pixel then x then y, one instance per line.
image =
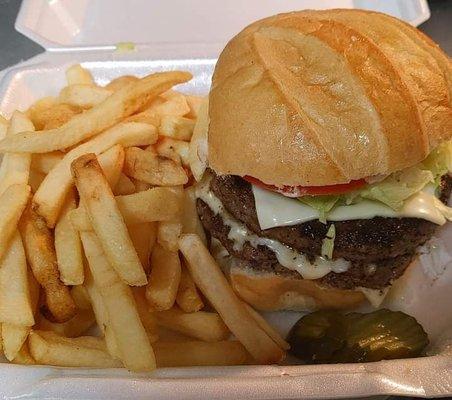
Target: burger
pixel 328 151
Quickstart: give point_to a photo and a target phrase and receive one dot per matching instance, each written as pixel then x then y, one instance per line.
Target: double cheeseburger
pixel 328 156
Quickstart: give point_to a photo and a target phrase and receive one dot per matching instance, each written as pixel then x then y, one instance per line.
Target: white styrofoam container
pixel 68 24
pixel 188 35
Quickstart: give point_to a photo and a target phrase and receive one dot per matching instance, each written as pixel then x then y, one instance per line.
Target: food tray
pixel 428 296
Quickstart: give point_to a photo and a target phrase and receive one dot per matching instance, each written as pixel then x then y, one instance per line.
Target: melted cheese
pixel 374 296
pixel 274 209
pixel 286 256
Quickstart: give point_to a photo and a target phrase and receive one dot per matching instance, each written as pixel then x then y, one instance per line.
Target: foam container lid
pixel 177 34
pixel 58 24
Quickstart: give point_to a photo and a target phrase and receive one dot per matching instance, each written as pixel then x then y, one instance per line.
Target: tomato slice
pixel 299 191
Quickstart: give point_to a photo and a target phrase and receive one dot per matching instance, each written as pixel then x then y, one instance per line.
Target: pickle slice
pixel 332 337
pixel 385 335
pixel 315 338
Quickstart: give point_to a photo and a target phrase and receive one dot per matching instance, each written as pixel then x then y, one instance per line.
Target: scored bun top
pixel 325 97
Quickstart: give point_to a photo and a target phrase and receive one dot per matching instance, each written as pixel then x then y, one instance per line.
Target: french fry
pixel 35 179
pixel 202 325
pixel 101 315
pixel 152 238
pixel 164 278
pixel 115 108
pixel 75 327
pixel 145 117
pixel 124 186
pixel 189 216
pixel 15 302
pixel 133 218
pixel 19 123
pixel 68 246
pixel 45 162
pixel 48 348
pixel 80 220
pixel 169 103
pixel 151 149
pixel 106 219
pixel 118 83
pixel 35 291
pixel 50 197
pixel 147 167
pixel 211 281
pixel 141 186
pixel 47 113
pixel 165 152
pixel 176 127
pixel 267 328
pixel 3 126
pixel 97 303
pixel 156 204
pixel 111 162
pixel 111 343
pixel 14 336
pixel 168 234
pixel 143 237
pixel 40 252
pixel 84 96
pixel 197 153
pixel 24 357
pixel 12 204
pixel 15 167
pixel 194 102
pixel 176 150
pixel 169 94
pixel 187 297
pixel 147 319
pixel 77 75
pixel 168 335
pixel 57 115
pixel 194 353
pixel 37 111
pixel 81 297
pixel 123 318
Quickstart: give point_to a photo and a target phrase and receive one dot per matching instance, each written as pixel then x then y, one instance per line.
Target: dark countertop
pixel 15 47
pixel 439 26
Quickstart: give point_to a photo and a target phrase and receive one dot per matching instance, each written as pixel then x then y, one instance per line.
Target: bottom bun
pixel 270 292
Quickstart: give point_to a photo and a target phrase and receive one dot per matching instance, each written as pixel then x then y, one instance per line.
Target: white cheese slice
pixel 374 296
pixel 274 210
pixel 287 257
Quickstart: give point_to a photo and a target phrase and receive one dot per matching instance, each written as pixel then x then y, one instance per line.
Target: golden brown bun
pixel 324 97
pixel 270 292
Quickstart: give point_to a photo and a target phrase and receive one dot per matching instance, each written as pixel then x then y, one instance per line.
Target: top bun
pixel 325 97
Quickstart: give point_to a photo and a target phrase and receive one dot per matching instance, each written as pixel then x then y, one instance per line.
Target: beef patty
pixel 387 243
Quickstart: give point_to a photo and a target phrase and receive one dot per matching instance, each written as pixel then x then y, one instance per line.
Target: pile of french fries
pixel 103 260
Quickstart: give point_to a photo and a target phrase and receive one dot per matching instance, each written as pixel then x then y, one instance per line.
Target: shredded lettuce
pixel 439 161
pixel 323 204
pixel 328 243
pixel 395 189
pixel 399 186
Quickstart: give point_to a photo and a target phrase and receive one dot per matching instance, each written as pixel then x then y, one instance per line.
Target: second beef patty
pixel 387 243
